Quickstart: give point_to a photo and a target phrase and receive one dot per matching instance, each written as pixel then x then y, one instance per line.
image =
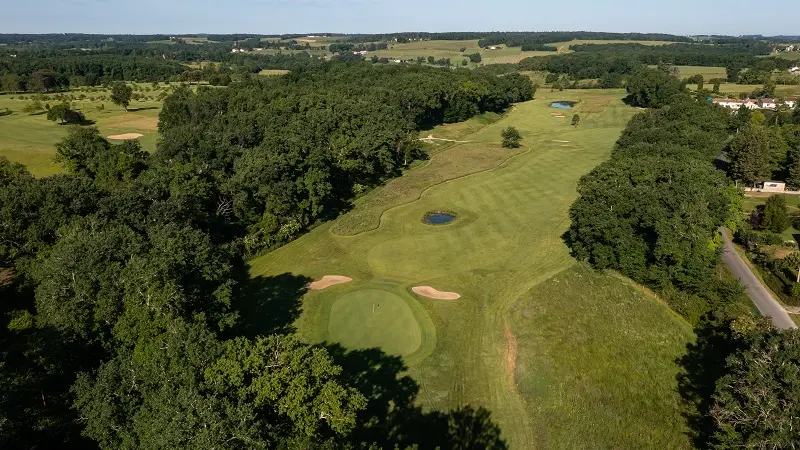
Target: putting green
pixel 370 318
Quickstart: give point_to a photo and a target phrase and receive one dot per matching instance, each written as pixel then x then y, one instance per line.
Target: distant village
pixel 761 103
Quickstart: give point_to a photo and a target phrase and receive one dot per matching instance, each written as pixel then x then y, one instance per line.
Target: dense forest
pixel 653 212
pixel 129 318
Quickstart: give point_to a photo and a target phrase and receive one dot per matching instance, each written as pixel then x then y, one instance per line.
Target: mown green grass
pixel 30 139
pixel 505 242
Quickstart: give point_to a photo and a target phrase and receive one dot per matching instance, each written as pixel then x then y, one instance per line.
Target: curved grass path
pixel 505 242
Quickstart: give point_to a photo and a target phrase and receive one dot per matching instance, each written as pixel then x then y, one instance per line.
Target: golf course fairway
pixel 543 342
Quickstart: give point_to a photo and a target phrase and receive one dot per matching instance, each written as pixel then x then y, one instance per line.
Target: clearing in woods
pixel 31 139
pixel 554 350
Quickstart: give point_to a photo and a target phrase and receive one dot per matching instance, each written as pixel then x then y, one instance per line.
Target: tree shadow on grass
pixel 270 305
pixel 143 108
pixel 393 419
pixel 702 365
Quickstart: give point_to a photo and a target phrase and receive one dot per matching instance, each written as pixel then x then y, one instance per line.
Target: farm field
pixel 501 55
pixel 31 139
pixel 563 47
pixel 735 89
pixel 510 343
pixel 707 72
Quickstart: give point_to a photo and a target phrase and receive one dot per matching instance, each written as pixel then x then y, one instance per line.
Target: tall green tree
pixel 776 217
pixel 652 88
pixel 757 404
pixel 121 94
pixel 753 154
pixel 511 137
pixel 80 149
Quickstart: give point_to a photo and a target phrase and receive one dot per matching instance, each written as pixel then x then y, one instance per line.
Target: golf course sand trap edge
pixel 328 281
pixel 125 137
pixel 427 291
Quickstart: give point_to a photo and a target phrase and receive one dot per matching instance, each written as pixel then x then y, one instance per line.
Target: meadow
pixel 563 357
pixel 501 55
pixel 708 73
pixel 30 138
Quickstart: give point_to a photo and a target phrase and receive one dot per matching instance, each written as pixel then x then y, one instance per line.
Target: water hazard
pixel 562 104
pixel 439 217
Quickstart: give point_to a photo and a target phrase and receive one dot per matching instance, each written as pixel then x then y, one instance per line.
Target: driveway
pixel 762 298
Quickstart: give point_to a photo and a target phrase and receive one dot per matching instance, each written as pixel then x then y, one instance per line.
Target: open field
pixel 792 56
pixel 31 139
pixel 501 55
pixel 707 72
pixel 451 49
pixel 563 47
pixel 736 89
pixel 510 342
pixel 273 72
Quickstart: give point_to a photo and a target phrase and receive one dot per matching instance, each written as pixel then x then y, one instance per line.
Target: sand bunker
pixel 125 137
pixel 328 281
pixel 427 291
pixel 556 140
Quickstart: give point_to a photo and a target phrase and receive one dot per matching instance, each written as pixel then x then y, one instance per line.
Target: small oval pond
pixel 562 104
pixel 439 217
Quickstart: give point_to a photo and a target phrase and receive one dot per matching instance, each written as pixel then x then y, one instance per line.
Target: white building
pixel 795 70
pixel 731 103
pixel 767 103
pixel 774 186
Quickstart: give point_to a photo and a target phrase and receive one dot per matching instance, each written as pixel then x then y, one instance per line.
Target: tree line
pixel 653 212
pixel 129 319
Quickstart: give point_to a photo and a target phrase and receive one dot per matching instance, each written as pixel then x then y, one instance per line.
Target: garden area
pixel 770 237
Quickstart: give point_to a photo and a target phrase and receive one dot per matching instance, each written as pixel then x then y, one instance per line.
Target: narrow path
pixel 763 300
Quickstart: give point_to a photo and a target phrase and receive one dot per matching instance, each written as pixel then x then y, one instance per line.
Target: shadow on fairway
pixel 393 420
pixel 271 304
pixel 143 108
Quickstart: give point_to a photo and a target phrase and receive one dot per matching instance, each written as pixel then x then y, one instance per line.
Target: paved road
pixel 755 290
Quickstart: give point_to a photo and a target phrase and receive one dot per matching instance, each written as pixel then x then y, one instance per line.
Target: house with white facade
pixel 731 103
pixel 767 103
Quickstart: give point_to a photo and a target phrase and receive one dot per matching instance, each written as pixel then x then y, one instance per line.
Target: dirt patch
pixel 781 253
pixel 427 291
pixel 125 137
pixel 328 281
pixel 511 352
pixel 556 140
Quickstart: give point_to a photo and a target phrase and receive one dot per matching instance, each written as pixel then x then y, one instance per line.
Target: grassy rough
pixel 599 373
pixel 506 241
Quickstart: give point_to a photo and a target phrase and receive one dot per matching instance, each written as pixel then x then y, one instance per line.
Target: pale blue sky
pixel 733 17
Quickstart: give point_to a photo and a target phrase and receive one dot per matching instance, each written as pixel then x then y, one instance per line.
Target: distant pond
pixel 563 104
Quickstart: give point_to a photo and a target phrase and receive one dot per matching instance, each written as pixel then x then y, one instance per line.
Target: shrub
pixel 511 137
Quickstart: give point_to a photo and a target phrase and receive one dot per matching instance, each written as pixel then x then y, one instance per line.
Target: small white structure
pixel 795 70
pixel 362 53
pixel 731 103
pixel 773 186
pixel 767 103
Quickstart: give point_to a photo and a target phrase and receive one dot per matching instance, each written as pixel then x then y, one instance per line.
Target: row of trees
pixel 652 212
pixel 129 319
pixel 257 134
